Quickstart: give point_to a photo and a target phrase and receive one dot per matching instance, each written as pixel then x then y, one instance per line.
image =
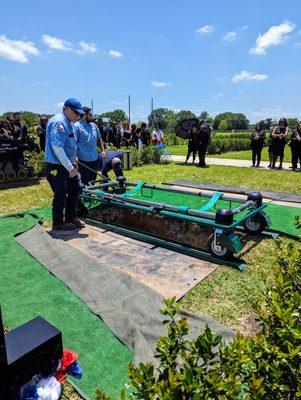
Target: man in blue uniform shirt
pixel 111 161
pixel 61 167
pixel 88 139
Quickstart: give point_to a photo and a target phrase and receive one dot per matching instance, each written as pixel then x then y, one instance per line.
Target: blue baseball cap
pixel 75 105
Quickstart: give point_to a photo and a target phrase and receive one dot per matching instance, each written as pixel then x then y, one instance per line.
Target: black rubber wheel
pixel 10 176
pixel 255 225
pixel 218 251
pixel 22 174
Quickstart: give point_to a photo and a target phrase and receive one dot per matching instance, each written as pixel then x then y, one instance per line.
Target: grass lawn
pixel 19 199
pixel 236 155
pixel 227 295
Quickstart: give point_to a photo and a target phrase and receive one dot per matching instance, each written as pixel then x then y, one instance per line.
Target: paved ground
pixel 230 162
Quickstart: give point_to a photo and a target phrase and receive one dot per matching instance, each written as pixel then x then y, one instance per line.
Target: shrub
pixel 145 155
pixel 218 145
pixel 37 160
pixel 266 366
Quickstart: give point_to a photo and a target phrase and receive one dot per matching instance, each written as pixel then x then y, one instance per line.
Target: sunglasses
pixel 75 112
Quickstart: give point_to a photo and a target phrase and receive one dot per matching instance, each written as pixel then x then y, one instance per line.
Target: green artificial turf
pixel 28 290
pixel 282 217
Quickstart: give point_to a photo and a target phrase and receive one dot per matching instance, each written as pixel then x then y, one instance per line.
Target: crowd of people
pixel 278 137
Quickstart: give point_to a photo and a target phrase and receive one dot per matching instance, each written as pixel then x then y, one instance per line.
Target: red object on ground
pixel 69 357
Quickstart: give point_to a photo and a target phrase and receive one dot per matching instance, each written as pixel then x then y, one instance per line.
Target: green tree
pixel 29 118
pixel 236 121
pixel 162 116
pixel 292 123
pixel 204 115
pixel 116 115
pixel 183 114
pixel 223 125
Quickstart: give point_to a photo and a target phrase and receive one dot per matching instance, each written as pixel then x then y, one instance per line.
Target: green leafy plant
pixel 266 366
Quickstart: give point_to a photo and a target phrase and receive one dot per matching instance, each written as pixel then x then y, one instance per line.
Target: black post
pixel 3 356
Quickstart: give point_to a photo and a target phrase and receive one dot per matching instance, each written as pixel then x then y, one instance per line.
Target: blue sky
pixel 199 55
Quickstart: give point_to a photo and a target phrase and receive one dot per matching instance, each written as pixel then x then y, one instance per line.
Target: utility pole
pixel 129 101
pixel 152 104
pixel 92 106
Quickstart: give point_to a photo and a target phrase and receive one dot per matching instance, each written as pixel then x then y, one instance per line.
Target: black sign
pixel 8 146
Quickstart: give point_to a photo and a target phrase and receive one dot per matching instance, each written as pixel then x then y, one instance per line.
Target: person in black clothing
pixel 41 131
pixel 136 134
pixel 102 130
pixel 144 134
pixel 202 141
pixel 270 150
pixel 126 134
pixel 295 145
pixel 113 135
pixel 192 148
pixel 21 132
pixel 257 142
pixel 280 132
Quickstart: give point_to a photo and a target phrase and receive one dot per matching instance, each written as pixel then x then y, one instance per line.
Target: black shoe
pixel 253 165
pixel 78 223
pixel 65 226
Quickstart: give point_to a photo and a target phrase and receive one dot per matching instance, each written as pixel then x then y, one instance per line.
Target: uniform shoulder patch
pixel 60 127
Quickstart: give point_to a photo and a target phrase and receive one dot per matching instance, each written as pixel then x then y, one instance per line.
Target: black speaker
pixel 33 348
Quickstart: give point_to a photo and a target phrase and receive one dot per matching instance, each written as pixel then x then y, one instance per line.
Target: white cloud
pixel 60 104
pixel 276 35
pixel 160 84
pixel 243 28
pixel 248 76
pixel 87 48
pixel 56 43
pixel 17 50
pixel 218 95
pixel 205 30
pixel 230 37
pixel 115 54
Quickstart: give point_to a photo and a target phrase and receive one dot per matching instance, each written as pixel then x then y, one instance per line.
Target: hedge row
pixel 219 146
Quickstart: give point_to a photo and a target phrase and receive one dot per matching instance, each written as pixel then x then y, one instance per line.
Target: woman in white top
pixel 157 136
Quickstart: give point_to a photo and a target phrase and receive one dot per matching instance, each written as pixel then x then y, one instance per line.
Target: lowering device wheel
pixel 255 224
pixel 218 251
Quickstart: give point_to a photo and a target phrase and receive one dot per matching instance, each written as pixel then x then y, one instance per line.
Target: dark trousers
pixel 256 154
pixel 296 156
pixel 191 149
pixel 202 148
pixel 66 191
pixel 87 175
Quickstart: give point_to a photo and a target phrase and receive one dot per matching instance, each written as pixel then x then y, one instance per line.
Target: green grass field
pixel 235 155
pixel 227 295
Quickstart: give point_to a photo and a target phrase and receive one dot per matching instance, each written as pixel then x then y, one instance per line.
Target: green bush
pixel 145 155
pixel 37 160
pixel 266 366
pixel 219 146
pixel 227 135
